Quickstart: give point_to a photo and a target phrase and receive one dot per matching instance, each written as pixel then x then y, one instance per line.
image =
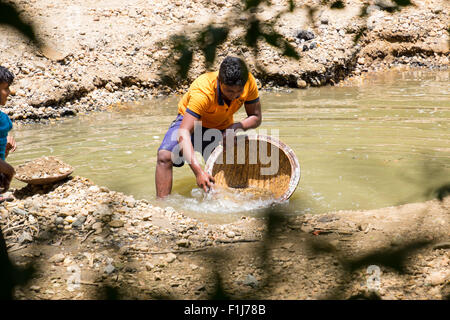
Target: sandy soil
pixel 100 238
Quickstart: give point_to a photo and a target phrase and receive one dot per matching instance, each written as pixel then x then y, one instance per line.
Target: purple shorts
pixel 170 142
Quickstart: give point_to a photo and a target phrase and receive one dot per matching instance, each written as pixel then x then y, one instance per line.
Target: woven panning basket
pixel 245 169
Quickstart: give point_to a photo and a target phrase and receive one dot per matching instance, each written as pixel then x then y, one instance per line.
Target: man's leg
pixel 163 175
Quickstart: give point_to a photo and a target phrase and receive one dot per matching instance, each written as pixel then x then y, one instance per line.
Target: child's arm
pixel 10 145
pixel 9 173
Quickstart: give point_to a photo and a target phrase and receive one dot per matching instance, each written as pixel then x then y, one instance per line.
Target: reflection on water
pixel 382 143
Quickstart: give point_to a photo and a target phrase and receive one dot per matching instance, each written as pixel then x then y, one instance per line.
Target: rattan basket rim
pixel 293 160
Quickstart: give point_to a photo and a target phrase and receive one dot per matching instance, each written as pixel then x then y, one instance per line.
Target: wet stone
pixel 109 269
pixel 57 258
pixel 305 35
pixel 19 211
pixel 79 222
pixel 116 223
pixel 59 220
pixel 251 281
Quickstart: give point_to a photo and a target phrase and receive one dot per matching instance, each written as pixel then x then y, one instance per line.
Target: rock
pixel 130 202
pixel 19 211
pixel 149 266
pixel 306 228
pixel 116 223
pixel 169 210
pixel 251 281
pixel 301 84
pixel 305 35
pixel 287 245
pixel 79 222
pixel 442 245
pixel 109 269
pixel 124 250
pixel 327 218
pixel 57 258
pixel 361 60
pixel 109 87
pixel 147 216
pixel 97 225
pixel 94 189
pixel 445 291
pixel 437 278
pixel 25 237
pixel 258 84
pixel 170 258
pixel 183 243
pixel 334 243
pixel 231 234
pixel 313 46
pixel 130 269
pixel 69 219
pixel 45 235
pixel 35 288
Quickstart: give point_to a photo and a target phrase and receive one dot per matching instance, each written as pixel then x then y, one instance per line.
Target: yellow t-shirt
pixel 205 102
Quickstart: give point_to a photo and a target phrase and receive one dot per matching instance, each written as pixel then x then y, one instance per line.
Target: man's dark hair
pixel 233 72
pixel 6 75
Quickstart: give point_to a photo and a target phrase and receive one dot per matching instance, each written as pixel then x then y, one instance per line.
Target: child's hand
pixel 5 182
pixel 10 145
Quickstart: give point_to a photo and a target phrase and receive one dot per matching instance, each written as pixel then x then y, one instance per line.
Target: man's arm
pixel 204 180
pixel 252 121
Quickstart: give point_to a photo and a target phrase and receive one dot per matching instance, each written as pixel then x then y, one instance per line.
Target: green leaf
pixel 337 5
pixel 291 5
pixel 403 3
pixel 249 4
pixel 364 12
pixel 253 33
pixel 182 45
pixel 273 39
pixel 10 16
pixel 359 34
pixel 277 40
pixel 289 51
pixel 210 39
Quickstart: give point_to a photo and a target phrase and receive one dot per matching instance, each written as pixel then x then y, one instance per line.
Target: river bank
pixel 96 65
pixel 146 252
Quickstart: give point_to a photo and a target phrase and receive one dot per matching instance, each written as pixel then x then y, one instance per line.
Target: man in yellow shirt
pixel 212 98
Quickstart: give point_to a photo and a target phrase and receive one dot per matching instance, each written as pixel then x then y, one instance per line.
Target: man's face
pixel 4 93
pixel 231 92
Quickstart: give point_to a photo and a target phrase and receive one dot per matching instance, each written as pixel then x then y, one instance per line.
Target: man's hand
pixel 10 145
pixel 205 181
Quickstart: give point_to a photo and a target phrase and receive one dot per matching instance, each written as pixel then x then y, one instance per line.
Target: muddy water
pixel 383 141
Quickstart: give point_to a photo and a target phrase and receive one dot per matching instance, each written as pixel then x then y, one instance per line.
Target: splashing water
pixel 225 200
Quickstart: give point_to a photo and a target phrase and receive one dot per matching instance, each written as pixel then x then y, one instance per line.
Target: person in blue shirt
pixel 7 142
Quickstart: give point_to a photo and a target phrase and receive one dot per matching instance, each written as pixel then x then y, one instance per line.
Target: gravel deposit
pixel 111 53
pixel 147 252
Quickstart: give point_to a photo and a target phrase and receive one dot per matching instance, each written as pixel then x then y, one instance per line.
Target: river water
pixel 382 142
